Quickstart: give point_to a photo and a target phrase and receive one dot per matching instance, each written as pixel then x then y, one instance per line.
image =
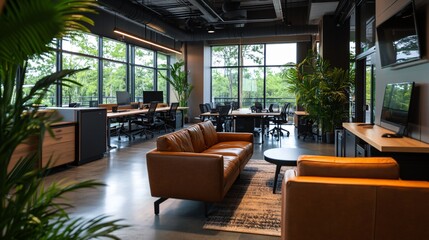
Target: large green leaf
pixel 29 26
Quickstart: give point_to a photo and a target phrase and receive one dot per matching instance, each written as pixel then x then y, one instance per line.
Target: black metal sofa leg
pixel 157 203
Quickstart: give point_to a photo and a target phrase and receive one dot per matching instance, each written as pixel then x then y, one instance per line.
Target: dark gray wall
pixel 419 125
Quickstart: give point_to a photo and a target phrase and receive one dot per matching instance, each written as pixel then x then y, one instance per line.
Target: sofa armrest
pixel 352 167
pixel 186 175
pixel 234 136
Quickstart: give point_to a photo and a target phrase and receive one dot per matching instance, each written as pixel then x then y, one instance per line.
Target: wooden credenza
pixel 59 150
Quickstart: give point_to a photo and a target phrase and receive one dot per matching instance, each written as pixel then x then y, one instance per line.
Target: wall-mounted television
pixel 151 96
pixel 396 105
pixel 398 38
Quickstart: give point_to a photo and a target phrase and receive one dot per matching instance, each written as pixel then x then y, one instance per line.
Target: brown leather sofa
pixel 353 199
pixel 197 163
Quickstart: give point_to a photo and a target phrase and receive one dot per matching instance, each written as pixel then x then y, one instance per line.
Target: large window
pixel 38 68
pixel 251 73
pixel 109 65
pixel 162 67
pixel 88 79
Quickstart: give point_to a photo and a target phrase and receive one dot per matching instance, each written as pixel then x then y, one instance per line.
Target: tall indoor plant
pixel 179 81
pixel 29 209
pixel 321 90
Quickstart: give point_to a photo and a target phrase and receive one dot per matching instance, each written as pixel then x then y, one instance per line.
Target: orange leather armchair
pixel 353 199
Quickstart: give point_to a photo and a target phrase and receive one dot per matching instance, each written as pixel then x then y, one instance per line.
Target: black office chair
pixel 280 120
pixel 203 109
pixel 224 120
pixel 258 107
pixel 235 105
pixel 273 108
pixel 169 118
pixel 147 122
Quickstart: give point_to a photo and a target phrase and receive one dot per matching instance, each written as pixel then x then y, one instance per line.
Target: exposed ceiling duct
pixel 142 15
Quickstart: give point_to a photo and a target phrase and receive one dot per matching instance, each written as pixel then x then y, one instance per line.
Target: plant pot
pixel 329 137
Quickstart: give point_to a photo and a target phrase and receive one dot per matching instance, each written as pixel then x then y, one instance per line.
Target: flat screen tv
pixel 153 96
pixel 398 38
pixel 396 105
pixel 123 98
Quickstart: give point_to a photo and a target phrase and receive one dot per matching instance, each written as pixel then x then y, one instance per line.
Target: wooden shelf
pixel 372 135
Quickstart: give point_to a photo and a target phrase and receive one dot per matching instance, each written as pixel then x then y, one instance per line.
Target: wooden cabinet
pixel 23 150
pixel 61 148
pixel 350 145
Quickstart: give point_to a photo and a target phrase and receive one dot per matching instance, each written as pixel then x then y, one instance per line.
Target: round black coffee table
pixel 283 157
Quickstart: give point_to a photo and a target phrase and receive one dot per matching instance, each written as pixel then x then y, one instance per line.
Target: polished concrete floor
pixel 127 194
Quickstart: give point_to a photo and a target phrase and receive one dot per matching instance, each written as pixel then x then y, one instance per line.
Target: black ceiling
pixel 189 19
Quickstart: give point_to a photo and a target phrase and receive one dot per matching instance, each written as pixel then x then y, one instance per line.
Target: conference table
pixel 132 112
pixel 244 119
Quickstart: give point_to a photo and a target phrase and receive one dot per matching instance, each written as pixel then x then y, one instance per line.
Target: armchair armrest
pixel 233 136
pixel 186 175
pixel 348 167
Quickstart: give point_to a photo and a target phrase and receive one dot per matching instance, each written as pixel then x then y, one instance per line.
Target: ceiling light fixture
pixel 211 29
pixel 145 41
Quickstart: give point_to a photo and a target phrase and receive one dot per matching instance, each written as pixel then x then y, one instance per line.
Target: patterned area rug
pixel 250 205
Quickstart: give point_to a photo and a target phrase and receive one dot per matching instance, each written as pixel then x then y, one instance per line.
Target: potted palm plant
pixel 179 81
pixel 29 209
pixel 321 90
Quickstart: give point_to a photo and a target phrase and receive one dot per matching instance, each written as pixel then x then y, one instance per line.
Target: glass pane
pixel 114 50
pixel 225 56
pixel 88 78
pixel 144 81
pixel 114 79
pixel 367 25
pixel 277 88
pixel 253 55
pixel 253 86
pixel 144 57
pixel 224 85
pixel 162 60
pixel 281 54
pixel 81 43
pixel 162 85
pixel 38 68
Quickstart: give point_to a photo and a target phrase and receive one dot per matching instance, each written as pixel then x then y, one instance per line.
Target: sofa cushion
pixel 197 138
pixel 357 167
pixel 209 132
pixel 246 146
pixel 227 152
pixel 179 141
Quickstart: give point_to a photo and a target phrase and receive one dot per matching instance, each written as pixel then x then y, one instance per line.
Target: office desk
pixel 366 141
pixel 244 116
pixel 133 112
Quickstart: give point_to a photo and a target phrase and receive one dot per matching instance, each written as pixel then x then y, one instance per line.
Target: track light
pixel 145 41
pixel 210 29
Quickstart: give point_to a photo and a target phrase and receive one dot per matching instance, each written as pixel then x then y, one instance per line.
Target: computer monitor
pixel 153 96
pixel 397 101
pixel 123 98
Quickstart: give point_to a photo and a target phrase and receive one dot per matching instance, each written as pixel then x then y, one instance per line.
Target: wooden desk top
pixel 372 135
pixel 244 112
pixel 128 112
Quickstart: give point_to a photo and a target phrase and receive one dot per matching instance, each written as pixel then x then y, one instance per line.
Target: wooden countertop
pixel 372 135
